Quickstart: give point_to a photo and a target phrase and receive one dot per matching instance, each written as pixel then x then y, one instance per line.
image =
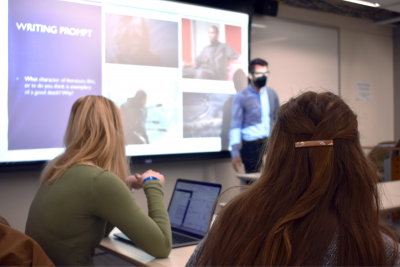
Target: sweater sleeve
pixel 112 200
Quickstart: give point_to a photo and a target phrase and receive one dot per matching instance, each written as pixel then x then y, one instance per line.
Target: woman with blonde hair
pixel 83 192
pixel 315 203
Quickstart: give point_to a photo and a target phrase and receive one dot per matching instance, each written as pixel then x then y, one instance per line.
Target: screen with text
pixel 191 206
pixel 169 67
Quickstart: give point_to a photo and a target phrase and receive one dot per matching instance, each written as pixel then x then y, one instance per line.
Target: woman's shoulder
pixel 392 249
pixel 92 172
pixel 83 169
pixel 91 177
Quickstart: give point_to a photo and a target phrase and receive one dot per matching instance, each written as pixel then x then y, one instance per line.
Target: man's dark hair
pixel 257 61
pixel 216 29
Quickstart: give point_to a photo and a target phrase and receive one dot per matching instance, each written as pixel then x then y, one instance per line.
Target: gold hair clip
pixel 314 143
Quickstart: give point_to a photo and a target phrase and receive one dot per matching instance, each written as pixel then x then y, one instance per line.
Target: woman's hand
pixel 133 182
pixel 140 178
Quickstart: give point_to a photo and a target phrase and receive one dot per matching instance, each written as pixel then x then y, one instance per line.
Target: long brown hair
pixel 94 136
pixel 305 197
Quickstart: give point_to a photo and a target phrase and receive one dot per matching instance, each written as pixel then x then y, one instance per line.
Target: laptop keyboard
pixel 180 239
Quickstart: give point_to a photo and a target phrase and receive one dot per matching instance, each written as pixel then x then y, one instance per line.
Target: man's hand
pixel 237 163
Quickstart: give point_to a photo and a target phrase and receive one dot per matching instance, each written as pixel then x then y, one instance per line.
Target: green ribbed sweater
pixel 70 217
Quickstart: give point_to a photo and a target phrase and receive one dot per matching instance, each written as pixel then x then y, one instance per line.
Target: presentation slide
pixel 169 67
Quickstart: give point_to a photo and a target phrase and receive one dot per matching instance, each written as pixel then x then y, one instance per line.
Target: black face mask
pixel 261 81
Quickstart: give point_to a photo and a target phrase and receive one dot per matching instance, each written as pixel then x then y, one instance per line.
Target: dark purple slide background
pixel 40 121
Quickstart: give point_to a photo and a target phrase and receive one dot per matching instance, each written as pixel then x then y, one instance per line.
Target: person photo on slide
pixel 212 63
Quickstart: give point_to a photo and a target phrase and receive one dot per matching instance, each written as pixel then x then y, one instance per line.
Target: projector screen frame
pixel 134 160
pixel 38 165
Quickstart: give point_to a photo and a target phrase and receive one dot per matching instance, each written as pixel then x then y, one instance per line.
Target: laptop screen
pixel 191 205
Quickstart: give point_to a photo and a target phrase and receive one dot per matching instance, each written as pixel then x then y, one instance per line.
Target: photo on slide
pixel 202 114
pixel 54 58
pixel 141 41
pixel 210 50
pixel 148 115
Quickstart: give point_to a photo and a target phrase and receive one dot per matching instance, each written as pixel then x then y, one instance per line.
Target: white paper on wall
pixel 363 92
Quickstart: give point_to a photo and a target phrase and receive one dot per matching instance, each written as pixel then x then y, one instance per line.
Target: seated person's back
pixel 315 203
pixel 83 194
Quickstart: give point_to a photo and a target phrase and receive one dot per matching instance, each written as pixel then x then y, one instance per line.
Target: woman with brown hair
pixel 316 202
pixel 83 192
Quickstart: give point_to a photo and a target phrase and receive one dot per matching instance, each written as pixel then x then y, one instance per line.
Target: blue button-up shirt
pixel 253 114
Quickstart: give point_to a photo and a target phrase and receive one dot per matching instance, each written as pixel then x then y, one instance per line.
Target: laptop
pixel 189 211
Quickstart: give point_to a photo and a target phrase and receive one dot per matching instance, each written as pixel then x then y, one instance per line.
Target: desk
pixel 245 178
pixel 248 176
pixel 390 195
pixel 391 188
pixel 178 256
pixel 390 201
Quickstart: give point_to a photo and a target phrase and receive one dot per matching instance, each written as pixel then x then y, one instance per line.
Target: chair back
pixel 18 249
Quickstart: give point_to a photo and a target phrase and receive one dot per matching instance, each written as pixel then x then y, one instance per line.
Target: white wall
pixel 301 56
pixel 17 190
pixel 396 71
pixel 366 56
pixel 369 58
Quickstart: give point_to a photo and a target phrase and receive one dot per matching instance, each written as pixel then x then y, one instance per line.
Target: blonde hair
pixel 94 136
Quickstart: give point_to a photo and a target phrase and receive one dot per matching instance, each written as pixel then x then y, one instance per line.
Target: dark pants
pixel 251 154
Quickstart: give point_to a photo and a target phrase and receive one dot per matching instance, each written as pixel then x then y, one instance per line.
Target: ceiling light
pixel 365 3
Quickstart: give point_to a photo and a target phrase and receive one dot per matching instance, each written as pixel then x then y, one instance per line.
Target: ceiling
pixel 393 5
pixel 388 13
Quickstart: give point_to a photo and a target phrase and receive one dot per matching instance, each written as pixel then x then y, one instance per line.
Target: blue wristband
pixel 150 178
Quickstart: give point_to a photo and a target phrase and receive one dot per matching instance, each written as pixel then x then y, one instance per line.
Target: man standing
pixel 212 63
pixel 253 116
